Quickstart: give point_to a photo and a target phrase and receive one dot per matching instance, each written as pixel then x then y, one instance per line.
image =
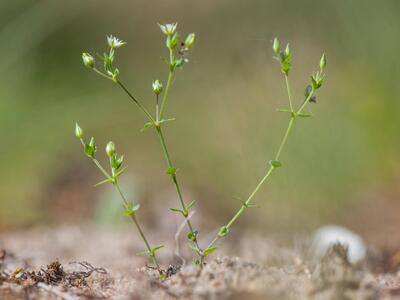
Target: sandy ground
pixel 247 267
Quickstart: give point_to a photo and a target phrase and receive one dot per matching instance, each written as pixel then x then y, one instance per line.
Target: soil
pixel 88 262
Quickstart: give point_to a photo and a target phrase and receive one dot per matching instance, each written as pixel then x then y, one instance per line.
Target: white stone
pixel 326 236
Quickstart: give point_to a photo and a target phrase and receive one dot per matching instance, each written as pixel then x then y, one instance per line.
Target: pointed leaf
pixel 155 249
pixel 190 205
pixel 147 252
pixel 119 173
pixel 209 250
pixel 147 125
pixel 284 110
pixel 304 115
pixel 103 182
pixel 275 163
pixel 194 247
pixel 131 209
pixel 167 120
pixel 176 210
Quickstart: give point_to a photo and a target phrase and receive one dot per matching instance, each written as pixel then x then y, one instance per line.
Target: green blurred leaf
pixel 209 250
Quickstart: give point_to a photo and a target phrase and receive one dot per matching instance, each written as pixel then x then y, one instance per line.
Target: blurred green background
pixel 340 166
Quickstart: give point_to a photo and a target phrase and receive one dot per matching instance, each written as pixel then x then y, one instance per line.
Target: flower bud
pixel 322 62
pixel 190 40
pixel 78 131
pixel 110 149
pixel 157 87
pixel 276 46
pixel 115 75
pixel 172 41
pixel 90 149
pixel 88 60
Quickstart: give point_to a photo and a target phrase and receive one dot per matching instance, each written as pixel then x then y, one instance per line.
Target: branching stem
pixel 125 202
pixel 167 156
pixel 175 180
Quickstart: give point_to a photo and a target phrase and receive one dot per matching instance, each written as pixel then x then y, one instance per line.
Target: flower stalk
pixel 116 171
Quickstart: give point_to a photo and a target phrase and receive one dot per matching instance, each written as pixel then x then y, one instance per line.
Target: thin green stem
pixel 289 92
pixel 145 111
pixel 165 97
pixel 175 180
pixel 289 128
pixel 102 74
pixel 97 163
pixel 157 109
pixel 271 168
pixel 167 157
pixel 126 205
pixel 139 228
pixel 306 101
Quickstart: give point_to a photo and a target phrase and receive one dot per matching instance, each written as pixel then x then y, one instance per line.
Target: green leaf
pixel 304 115
pixel 166 120
pixel 104 181
pixel 249 205
pixel 171 171
pixel 177 210
pixel 223 231
pixel 209 250
pixel 284 110
pixel 194 247
pixel 147 252
pixel 155 249
pixel 120 172
pixel 275 163
pixel 147 125
pixel 131 209
pixel 190 205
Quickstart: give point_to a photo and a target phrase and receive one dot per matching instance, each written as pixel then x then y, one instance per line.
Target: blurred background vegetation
pixel 341 166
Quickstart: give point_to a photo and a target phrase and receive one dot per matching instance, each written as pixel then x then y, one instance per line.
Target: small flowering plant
pixel 178 51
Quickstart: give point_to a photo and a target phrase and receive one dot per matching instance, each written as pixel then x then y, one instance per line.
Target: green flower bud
pixel 116 162
pixel 110 149
pixel 276 46
pixel 115 75
pixel 157 87
pixel 322 62
pixel 90 149
pixel 88 60
pixel 172 41
pixel 78 131
pixel 168 29
pixel 190 40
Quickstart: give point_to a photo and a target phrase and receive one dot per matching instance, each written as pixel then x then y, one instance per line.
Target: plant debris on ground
pixel 27 270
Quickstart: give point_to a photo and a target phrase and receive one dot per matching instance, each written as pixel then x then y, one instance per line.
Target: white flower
pixel 114 42
pixel 168 29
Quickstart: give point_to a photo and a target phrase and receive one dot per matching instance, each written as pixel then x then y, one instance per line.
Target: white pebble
pixel 326 236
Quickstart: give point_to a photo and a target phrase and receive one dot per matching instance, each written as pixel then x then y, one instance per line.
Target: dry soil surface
pixel 86 262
